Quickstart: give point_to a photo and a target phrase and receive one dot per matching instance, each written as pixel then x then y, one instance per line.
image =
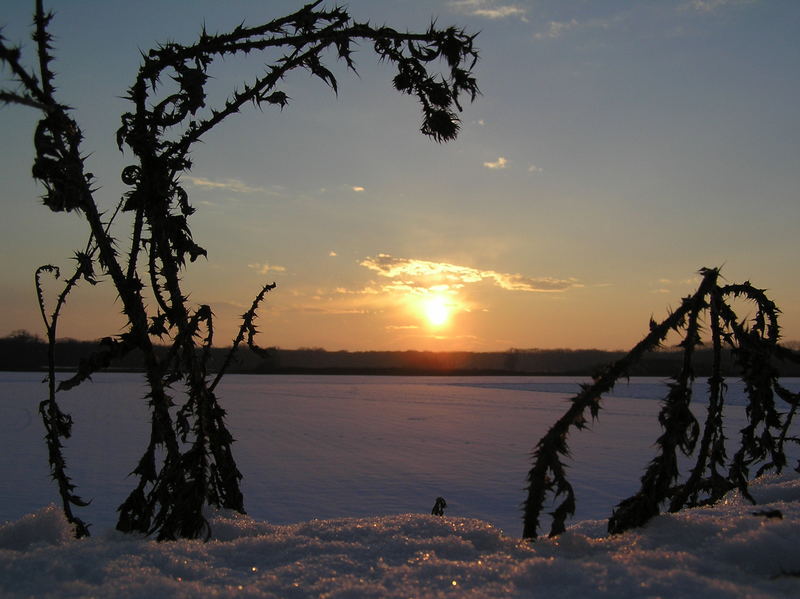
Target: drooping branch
pixel 756 351
pixel 188 462
pixel 548 475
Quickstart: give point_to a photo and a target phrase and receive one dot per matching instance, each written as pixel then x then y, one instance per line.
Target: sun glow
pixel 436 310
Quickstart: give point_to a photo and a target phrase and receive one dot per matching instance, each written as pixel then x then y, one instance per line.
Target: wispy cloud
pixel 265 268
pixel 498 164
pixel 363 291
pixel 234 185
pixel 489 9
pixel 556 29
pixel 329 310
pixel 684 282
pixel 665 285
pixel 409 273
pixel 708 6
pixel 535 169
pixel 500 12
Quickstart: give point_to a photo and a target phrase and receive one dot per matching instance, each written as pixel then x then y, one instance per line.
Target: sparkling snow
pixel 340 476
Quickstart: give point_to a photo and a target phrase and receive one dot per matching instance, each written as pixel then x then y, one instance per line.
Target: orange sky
pixel 616 149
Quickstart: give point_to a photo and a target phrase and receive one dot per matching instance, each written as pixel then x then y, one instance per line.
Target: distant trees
pixel 188 461
pixel 22 350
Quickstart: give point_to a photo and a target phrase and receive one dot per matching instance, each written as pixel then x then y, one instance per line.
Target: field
pixel 326 458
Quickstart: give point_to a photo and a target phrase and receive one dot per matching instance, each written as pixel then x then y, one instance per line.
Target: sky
pixel 616 149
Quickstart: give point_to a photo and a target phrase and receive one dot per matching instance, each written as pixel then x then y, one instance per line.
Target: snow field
pixel 340 476
pixel 328 447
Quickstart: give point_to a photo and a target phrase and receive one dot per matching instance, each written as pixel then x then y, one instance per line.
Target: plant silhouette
pixel 756 351
pixel 439 506
pixel 188 462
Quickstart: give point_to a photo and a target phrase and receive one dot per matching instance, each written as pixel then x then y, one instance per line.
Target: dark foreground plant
pixel 188 461
pixel 756 351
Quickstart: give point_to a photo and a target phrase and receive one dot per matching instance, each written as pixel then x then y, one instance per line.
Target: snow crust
pixel 720 551
pixel 340 476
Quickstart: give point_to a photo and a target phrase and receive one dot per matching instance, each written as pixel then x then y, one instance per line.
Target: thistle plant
pixel 188 462
pixel 756 350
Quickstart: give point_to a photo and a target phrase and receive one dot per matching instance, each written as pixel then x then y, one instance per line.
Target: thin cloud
pixel 665 285
pixel 489 9
pixel 535 169
pixel 265 268
pixel 328 310
pixel 500 12
pixel 412 273
pixel 498 164
pixel 689 281
pixel 709 6
pixel 555 29
pixel 234 185
pixel 362 291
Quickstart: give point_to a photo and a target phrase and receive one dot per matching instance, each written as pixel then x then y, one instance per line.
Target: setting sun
pixel 436 310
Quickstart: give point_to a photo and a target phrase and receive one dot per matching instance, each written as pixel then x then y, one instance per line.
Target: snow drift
pixel 733 549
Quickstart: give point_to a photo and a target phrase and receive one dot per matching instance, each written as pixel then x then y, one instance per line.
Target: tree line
pixel 24 351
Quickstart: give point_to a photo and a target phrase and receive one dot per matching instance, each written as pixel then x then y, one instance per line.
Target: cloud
pixel 401 327
pixel 689 281
pixel 500 12
pixel 329 310
pixel 413 273
pixel 708 6
pixel 665 285
pixel 332 254
pixel 265 268
pixel 556 29
pixel 500 163
pixel 234 185
pixel 535 169
pixel 489 9
pixel 357 188
pixel 362 291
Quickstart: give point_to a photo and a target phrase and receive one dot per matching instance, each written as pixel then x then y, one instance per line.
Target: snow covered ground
pixel 340 476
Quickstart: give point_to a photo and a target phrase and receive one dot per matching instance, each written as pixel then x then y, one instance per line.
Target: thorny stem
pixel 755 351
pixel 197 465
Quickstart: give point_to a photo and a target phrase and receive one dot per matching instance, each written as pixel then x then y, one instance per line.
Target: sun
pixel 436 310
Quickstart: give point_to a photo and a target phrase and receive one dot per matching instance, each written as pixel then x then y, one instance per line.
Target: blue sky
pixel 617 147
